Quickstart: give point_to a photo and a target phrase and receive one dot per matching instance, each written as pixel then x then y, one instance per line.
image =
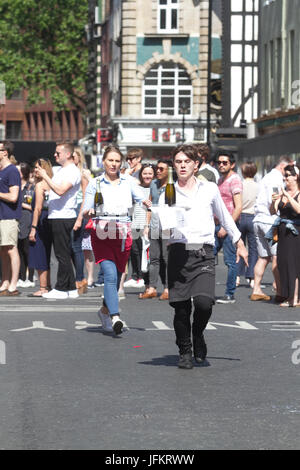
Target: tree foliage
pixel 43 48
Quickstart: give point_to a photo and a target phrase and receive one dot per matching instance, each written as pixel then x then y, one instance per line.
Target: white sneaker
pixel 21 283
pixel 129 283
pixel 117 324
pixel 73 294
pixel 105 320
pixel 28 283
pixel 135 283
pixel 56 294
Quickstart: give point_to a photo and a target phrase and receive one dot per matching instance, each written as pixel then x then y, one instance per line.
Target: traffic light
pixel 104 135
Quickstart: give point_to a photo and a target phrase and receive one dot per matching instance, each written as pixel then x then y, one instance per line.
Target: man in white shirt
pixel 62 215
pixel 191 265
pixel 263 220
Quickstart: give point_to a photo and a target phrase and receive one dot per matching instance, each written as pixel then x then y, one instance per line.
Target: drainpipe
pixel 284 54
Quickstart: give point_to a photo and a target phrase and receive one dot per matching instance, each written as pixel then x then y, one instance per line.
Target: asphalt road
pixel 65 384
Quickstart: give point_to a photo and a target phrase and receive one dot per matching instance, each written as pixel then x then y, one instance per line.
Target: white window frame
pixel 168 7
pixel 177 89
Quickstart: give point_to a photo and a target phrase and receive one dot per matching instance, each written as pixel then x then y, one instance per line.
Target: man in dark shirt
pixel 10 213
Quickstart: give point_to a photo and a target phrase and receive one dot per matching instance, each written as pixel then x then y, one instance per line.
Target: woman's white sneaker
pixel 117 324
pixel 73 294
pixel 56 294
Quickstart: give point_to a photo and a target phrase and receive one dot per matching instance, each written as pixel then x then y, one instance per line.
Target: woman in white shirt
pixel 250 191
pixel 111 230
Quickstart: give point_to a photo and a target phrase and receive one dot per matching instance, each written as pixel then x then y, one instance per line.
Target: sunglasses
pixel 129 159
pixel 159 168
pixel 223 162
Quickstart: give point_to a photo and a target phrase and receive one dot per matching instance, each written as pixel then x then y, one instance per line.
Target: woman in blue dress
pixel 40 233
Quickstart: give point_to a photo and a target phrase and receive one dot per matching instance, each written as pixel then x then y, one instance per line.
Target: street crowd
pixel 44 207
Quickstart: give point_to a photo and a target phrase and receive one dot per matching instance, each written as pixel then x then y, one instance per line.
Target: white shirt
pixel 63 207
pixel 195 224
pixel 273 179
pixel 118 199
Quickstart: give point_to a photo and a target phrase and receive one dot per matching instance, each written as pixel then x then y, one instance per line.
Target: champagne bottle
pixel 170 193
pixel 98 200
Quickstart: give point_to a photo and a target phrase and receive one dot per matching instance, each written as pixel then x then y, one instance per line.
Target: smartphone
pixel 275 190
pixel 39 162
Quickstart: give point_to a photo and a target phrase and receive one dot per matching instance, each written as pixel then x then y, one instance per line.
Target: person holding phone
pixel 287 203
pixel 262 222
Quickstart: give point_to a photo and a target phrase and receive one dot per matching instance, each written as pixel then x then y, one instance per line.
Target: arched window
pixel 167 91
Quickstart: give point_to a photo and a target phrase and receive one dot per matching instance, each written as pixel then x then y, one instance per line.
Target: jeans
pixel 100 279
pixel 112 279
pixel 246 228
pixel 77 253
pixel 229 252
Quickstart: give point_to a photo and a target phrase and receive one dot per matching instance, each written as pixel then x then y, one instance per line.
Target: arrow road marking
pixel 38 325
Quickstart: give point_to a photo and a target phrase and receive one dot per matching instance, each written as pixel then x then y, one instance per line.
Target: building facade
pixel 21 122
pixel 278 122
pixel 152 80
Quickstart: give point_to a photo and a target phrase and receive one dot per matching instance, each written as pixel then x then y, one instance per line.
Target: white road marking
pixel 2 352
pixel 38 325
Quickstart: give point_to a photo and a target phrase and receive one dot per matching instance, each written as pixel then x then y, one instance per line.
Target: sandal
pixel 39 293
pixel 286 304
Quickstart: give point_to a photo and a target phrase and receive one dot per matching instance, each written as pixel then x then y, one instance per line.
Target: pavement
pixel 66 384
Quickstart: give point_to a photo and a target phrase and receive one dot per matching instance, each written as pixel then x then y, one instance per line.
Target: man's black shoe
pixel 200 349
pixel 185 361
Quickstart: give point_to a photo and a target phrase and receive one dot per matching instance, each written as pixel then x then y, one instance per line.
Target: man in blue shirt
pixel 10 213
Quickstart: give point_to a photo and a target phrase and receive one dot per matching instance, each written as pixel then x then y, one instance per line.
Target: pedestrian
pixel 205 169
pixel 111 231
pixel 27 190
pixel 287 227
pixel 158 244
pixel 139 227
pixel 62 216
pixel 10 214
pixel 191 261
pixel 262 222
pixel 40 233
pixel 78 229
pixel 250 190
pixel 231 189
pixel 134 159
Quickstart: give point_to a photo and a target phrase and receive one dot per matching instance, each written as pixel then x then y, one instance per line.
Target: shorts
pixel 263 248
pixel 9 232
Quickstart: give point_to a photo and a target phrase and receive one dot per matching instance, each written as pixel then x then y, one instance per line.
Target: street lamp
pixel 184 109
